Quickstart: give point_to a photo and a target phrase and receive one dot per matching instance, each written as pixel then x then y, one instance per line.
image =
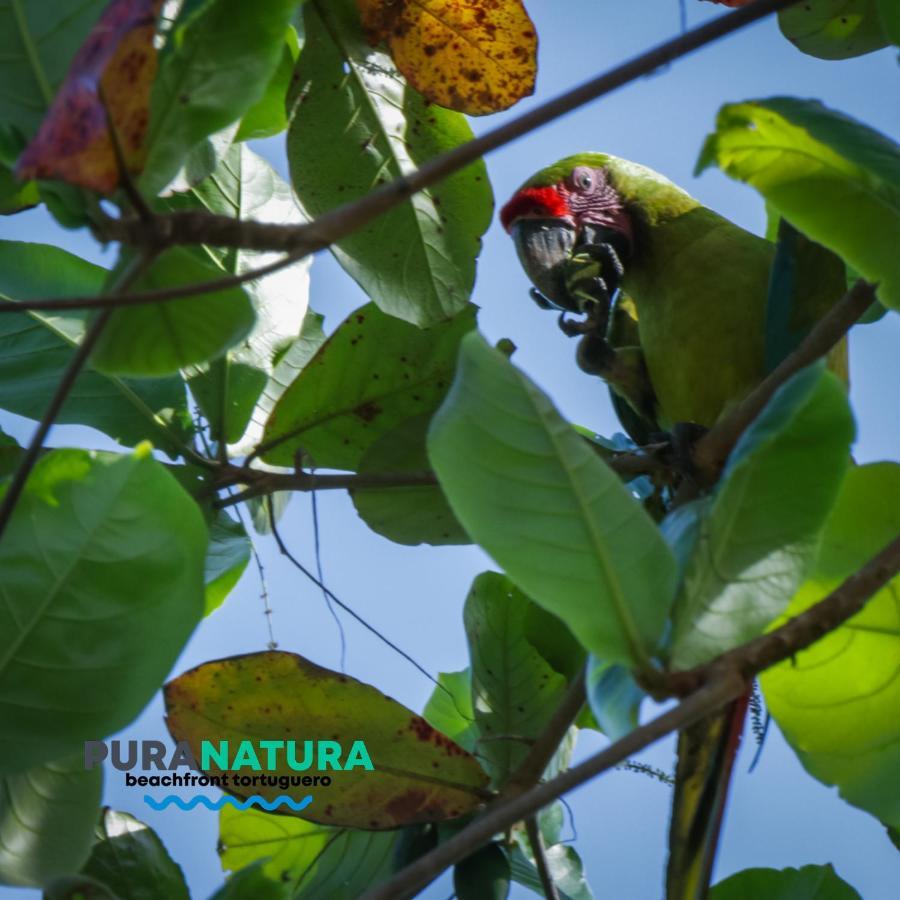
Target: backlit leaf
pixel 808 883
pixel 837 701
pixel 419 774
pixel 834 29
pixel 107 85
pixel 475 56
pixel 555 517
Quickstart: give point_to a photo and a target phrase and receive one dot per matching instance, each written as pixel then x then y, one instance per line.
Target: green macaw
pixel 674 298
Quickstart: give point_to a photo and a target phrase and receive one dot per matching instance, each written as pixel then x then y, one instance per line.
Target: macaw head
pixel 566 207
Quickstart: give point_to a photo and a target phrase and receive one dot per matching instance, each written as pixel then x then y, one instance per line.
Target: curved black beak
pixel 544 247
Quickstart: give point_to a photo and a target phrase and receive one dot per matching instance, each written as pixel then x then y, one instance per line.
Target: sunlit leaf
pixel 268 116
pixel 515 691
pixel 36 347
pixel 837 701
pixel 355 125
pixel 129 858
pixel 373 373
pixel 834 29
pixel 477 57
pixel 314 861
pixel 808 883
pixel 15 195
pixel 419 774
pixel 160 338
pixel 833 178
pixel 47 817
pixel 219 66
pixel 407 515
pixel 103 577
pixel 556 518
pixel 227 557
pixel 449 709
pixel 757 538
pixel 107 87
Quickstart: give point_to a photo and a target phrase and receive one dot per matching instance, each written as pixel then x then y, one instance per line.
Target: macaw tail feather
pixel 706 754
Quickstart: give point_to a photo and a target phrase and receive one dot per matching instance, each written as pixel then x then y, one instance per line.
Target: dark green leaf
pixel 837 701
pixel 890 20
pixel 514 689
pixel 357 124
pixel 834 29
pixel 219 65
pixel 252 883
pixel 226 558
pixel 808 883
pixel 372 374
pixel 268 116
pixel 47 818
pixel 556 518
pixel 161 338
pixel 314 861
pixel 36 347
pixel 482 876
pixel 833 178
pixel 130 860
pixel 37 43
pixel 449 709
pixel 407 515
pixel 103 584
pixel 757 538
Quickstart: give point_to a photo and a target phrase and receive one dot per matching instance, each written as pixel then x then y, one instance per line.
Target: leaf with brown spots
pixel 475 56
pixel 108 81
pixel 419 774
pixel 834 29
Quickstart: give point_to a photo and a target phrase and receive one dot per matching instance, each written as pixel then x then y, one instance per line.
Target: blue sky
pixel 778 815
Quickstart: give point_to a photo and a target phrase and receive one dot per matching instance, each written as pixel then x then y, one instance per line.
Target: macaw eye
pixel 583 179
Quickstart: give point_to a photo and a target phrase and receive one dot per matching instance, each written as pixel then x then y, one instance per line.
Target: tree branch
pixel 714 685
pixel 540 858
pixel 711 451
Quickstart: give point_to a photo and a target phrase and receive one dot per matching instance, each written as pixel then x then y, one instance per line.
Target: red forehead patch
pixel 536 202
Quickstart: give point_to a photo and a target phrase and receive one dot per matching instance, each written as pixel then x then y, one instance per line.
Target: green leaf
pixel 808 883
pixel 268 116
pixel 131 861
pixel 614 698
pixel 833 178
pixel 565 868
pixel 14 195
pixel 407 515
pixel 743 564
pixel 314 861
pixel 837 701
pixel 252 882
pixel 103 584
pixel 419 774
pixel 515 691
pixel 226 558
pixel 373 373
pixel 555 517
pixel 449 709
pixel 890 20
pixel 834 29
pixel 220 64
pixel 484 875
pixel 357 124
pixel 47 817
pixel 161 338
pixel 37 43
pixel 36 347
pixel 245 186
pixel 757 538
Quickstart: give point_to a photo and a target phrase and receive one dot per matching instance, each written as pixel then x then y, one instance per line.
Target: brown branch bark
pixel 713 686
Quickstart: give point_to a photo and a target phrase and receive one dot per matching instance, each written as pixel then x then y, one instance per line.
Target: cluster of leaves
pixel 367 93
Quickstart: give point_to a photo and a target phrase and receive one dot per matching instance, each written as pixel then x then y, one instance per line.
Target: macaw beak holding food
pixel 544 247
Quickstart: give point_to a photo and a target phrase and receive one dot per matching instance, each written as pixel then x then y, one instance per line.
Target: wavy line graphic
pixel 255 800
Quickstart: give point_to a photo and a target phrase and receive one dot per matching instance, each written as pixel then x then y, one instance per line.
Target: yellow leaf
pixel 475 56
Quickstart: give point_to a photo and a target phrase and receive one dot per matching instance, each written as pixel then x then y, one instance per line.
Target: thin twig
pixel 716 684
pixel 540 858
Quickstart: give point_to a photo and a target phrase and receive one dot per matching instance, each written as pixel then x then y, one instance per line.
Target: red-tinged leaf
pixel 418 774
pixel 118 61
